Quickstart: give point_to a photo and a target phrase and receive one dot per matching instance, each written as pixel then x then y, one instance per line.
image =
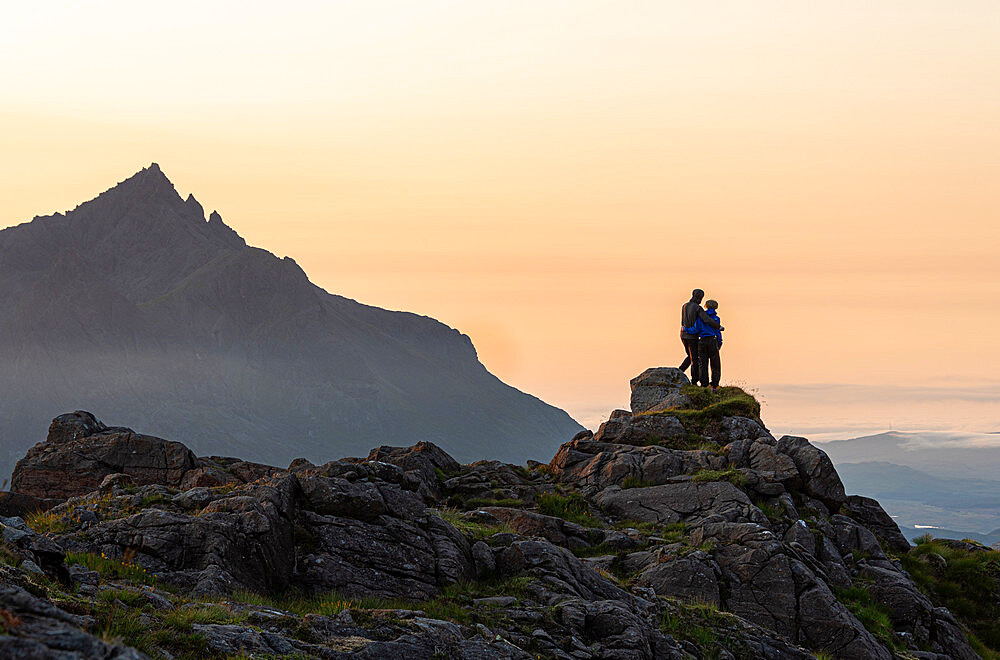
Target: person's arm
pixel 708 320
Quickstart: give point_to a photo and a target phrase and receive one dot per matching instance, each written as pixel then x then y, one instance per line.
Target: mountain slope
pixel 134 305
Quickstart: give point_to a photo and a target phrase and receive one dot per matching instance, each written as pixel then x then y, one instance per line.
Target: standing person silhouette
pixel 709 343
pixel 691 312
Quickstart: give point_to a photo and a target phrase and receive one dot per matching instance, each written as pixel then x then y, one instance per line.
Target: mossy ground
pixel 706 404
pixel 124 610
pixel 968 584
pixel 572 507
pixel 730 474
pixel 702 419
pixel 873 615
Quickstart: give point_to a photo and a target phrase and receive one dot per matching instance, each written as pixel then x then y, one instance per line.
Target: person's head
pixel 697 295
pixel 711 304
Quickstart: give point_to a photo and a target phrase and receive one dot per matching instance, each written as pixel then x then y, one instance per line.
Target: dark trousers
pixel 691 359
pixel 708 354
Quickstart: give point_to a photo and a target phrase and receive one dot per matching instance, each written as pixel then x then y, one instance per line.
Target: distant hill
pixel 133 305
pixel 945 483
pixel 899 482
pixel 943 454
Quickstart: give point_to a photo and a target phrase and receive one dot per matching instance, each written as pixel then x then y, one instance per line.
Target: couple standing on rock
pixel 701 334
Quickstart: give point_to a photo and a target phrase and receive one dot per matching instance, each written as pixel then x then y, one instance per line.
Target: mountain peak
pixel 150 176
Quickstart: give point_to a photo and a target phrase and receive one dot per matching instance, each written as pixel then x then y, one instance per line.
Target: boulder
pixel 819 477
pixel 593 466
pixel 870 513
pixel 384 558
pixel 693 578
pixel 762 456
pixel 423 460
pixel 80 452
pixel 35 628
pixel 653 385
pixel 627 429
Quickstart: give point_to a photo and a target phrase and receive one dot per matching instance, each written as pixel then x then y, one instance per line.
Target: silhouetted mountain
pixel 135 305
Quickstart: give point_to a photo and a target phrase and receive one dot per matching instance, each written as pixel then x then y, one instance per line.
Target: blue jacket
pixel 704 330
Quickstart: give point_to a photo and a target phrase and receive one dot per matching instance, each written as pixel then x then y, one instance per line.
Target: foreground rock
pixel 80 451
pixel 676 532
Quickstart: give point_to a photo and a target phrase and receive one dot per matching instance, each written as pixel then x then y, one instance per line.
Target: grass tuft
pixel 572 507
pixel 730 474
pixel 873 615
pixel 112 569
pixel 636 482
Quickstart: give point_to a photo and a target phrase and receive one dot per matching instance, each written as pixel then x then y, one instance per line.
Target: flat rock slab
pixel 690 501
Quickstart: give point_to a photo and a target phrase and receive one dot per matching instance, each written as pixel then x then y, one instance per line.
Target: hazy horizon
pixel 553 180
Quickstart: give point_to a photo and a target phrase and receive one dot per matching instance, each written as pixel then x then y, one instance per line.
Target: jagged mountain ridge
pixel 136 305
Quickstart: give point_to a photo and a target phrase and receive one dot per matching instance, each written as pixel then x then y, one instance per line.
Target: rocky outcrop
pixel 80 451
pixel 870 513
pixel 658 387
pixel 819 477
pixel 593 466
pixel 35 628
pixel 686 501
pixel 710 540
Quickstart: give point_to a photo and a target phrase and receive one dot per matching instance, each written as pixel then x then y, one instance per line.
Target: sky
pixel 553 178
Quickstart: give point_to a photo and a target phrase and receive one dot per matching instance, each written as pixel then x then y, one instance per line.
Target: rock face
pixel 135 305
pixel 656 386
pixel 631 544
pixel 80 451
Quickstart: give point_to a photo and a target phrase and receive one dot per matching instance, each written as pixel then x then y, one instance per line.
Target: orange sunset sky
pixel 552 178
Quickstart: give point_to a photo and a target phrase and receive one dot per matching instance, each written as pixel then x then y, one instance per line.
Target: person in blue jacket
pixel 709 343
pixel 691 315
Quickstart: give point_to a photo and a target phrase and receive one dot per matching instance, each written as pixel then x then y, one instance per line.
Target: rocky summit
pixel 681 529
pixel 135 305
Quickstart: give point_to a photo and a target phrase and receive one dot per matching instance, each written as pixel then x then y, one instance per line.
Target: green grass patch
pixel 572 507
pixel 9 555
pixel 968 585
pixel 131 598
pixel 772 511
pixel 479 502
pixel 477 531
pixel 636 482
pixel 124 626
pixel 671 532
pixel 730 474
pixel 47 522
pixel 454 603
pixel 111 569
pixel 726 402
pixel 154 498
pixel 703 625
pixel 182 618
pixel 873 615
